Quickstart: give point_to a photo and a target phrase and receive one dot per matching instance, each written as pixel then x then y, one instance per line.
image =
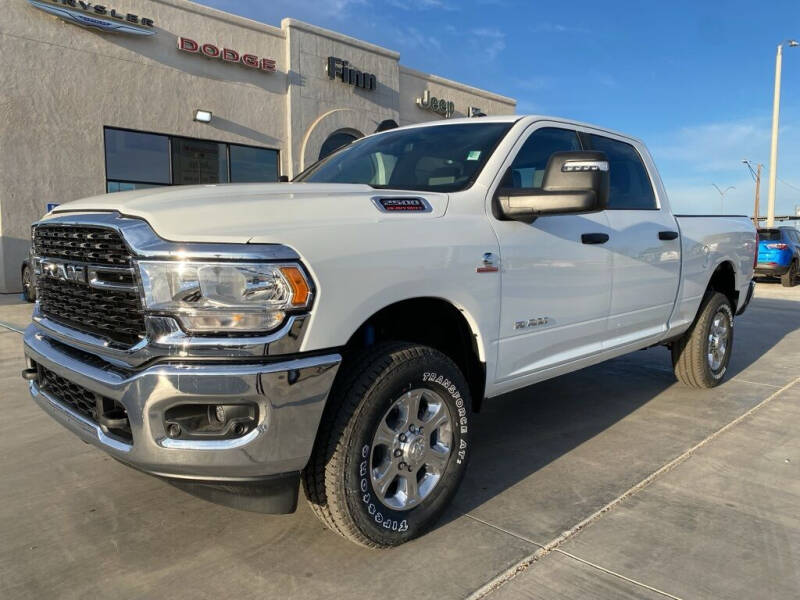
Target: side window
pixel 630 185
pixel 527 170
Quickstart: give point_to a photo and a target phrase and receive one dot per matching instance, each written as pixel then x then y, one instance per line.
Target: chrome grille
pixel 107 413
pixel 111 314
pixel 100 295
pixel 93 245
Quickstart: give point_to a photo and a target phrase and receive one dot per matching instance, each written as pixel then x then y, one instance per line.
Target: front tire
pixel 789 279
pixel 700 357
pixel 28 289
pixel 392 447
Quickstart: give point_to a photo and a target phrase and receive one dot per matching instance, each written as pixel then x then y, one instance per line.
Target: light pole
pixel 773 152
pixel 756 174
pixel 722 196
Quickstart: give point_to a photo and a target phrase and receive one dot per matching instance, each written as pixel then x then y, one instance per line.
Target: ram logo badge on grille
pixel 64 271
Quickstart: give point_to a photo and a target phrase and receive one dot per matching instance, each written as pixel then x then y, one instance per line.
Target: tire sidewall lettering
pixel 374 510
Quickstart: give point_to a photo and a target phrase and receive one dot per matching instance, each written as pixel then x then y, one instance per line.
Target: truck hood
pixel 239 213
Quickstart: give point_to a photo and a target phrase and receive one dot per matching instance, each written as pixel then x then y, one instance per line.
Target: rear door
pixel 644 242
pixel 556 290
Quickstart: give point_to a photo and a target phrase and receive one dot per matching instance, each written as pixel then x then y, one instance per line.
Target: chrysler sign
pixel 96 16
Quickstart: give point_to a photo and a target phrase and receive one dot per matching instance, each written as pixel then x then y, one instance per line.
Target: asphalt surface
pixel 612 482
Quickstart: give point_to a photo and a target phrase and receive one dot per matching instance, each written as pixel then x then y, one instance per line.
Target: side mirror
pixel 574 182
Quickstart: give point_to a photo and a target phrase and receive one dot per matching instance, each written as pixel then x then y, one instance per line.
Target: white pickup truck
pixel 342 329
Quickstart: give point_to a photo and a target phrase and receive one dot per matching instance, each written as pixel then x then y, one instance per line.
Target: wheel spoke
pixel 384 436
pixel 411 489
pixel 437 419
pixel 382 482
pixel 409 408
pixel 437 459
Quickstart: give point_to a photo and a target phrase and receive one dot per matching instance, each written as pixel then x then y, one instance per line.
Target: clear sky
pixel 693 79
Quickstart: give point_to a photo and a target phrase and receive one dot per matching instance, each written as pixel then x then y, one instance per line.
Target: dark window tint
pixel 769 235
pixel 132 156
pixel 334 142
pixel 630 184
pixel 196 161
pixel 249 165
pixel 124 186
pixel 528 167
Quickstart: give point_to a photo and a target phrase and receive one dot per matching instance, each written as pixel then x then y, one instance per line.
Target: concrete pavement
pixel 720 523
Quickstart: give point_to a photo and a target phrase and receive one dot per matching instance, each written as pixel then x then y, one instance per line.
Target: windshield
pixel 439 158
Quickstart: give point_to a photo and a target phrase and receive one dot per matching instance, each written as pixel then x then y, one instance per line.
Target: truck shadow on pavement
pixel 519 434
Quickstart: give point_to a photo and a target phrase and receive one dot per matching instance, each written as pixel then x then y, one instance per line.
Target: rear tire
pixel 382 472
pixel 700 357
pixel 789 279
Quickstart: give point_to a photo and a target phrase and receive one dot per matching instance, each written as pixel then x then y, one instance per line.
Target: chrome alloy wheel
pixel 410 449
pixel 719 336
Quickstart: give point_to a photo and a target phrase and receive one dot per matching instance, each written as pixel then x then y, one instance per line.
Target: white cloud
pixel 489 42
pixel 422 5
pixel 717 146
pixel 413 37
pixel 547 27
pixel 315 11
pixel 693 158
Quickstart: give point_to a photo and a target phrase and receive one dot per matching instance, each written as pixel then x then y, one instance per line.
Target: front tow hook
pixel 29 374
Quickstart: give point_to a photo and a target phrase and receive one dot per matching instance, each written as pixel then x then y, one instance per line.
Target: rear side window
pixel 769 235
pixel 527 170
pixel 630 185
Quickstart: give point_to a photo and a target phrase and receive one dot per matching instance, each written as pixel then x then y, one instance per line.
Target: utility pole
pixel 773 152
pixel 756 175
pixel 758 193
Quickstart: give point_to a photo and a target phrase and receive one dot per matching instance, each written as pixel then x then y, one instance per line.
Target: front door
pixel 556 290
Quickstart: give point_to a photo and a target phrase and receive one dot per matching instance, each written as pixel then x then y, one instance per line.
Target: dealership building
pixel 130 94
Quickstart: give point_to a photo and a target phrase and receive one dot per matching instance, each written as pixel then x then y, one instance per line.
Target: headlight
pixel 224 297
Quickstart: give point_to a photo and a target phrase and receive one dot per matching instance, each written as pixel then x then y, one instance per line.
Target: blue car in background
pixel 779 254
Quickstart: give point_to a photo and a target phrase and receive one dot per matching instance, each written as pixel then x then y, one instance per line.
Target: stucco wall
pixel 62 84
pixel 316 101
pixel 414 83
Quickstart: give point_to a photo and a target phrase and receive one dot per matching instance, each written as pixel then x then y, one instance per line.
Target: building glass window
pixel 249 165
pixel 136 160
pixel 195 162
pixel 125 186
pixel 138 157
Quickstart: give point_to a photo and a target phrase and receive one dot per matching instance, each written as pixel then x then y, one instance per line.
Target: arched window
pixel 336 140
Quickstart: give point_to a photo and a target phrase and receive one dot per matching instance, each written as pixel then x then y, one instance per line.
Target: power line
pixel 791 185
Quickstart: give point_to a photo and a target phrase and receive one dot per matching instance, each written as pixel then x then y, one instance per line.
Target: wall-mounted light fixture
pixel 202 116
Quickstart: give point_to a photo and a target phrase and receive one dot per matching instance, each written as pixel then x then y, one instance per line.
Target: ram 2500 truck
pixel 342 329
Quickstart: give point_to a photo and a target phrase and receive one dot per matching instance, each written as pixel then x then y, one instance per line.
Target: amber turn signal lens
pixel 300 291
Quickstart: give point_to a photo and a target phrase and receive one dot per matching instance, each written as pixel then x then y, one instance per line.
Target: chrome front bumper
pixel 290 396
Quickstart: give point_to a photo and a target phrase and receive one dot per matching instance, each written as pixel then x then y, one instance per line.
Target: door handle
pixel 594 238
pixel 667 235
